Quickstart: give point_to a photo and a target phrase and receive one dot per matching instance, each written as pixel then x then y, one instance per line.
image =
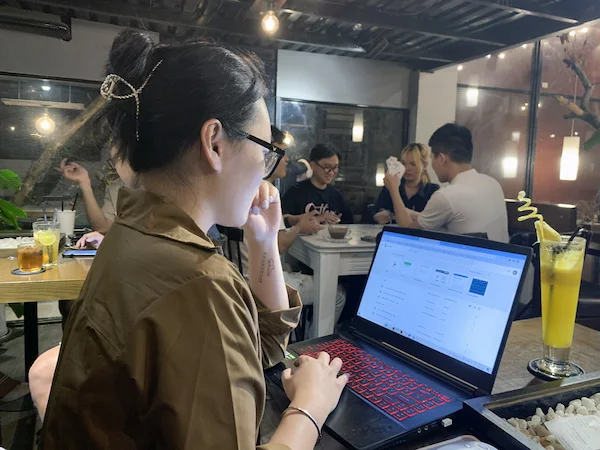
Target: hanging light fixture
pixel 270 22
pixel 569 160
pixel 358 128
pixel 288 139
pixel 44 124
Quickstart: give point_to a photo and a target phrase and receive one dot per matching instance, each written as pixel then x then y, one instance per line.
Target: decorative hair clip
pixel 109 85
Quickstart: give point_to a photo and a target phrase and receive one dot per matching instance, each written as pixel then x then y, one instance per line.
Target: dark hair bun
pixel 129 57
pixel 195 81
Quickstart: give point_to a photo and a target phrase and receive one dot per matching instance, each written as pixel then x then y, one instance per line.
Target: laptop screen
pixel 453 298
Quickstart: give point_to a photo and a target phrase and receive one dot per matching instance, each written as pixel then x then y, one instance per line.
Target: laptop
pixel 429 334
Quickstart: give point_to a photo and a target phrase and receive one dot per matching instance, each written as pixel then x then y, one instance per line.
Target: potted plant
pixel 10 215
pixel 9 212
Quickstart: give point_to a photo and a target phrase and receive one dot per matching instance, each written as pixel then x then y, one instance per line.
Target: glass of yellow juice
pixel 561 266
pixel 48 236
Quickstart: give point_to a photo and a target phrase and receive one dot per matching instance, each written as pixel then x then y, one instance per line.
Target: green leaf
pixel 11 213
pixel 17 309
pixel 592 142
pixel 9 180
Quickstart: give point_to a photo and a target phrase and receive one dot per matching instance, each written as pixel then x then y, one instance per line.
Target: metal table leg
pixel 30 321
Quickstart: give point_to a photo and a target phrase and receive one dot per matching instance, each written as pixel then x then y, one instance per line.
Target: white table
pixel 329 260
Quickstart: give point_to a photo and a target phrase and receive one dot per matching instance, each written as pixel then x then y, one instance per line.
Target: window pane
pixel 556 76
pixel 27 129
pixel 510 69
pixel 499 123
pixel 382 135
pixel 552 128
pixel 579 184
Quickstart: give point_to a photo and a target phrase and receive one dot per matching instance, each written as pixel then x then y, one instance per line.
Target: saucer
pixel 18 272
pixel 337 241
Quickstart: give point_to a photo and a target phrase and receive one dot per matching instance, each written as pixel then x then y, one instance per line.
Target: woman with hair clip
pixel 415 187
pixel 166 346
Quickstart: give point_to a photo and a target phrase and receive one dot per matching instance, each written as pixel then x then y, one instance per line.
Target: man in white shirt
pixel 472 203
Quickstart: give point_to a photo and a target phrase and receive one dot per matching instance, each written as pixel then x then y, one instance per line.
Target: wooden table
pixel 329 260
pixel 524 344
pixel 62 282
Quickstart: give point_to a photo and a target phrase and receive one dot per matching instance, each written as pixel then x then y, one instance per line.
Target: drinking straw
pixel 54 217
pixel 75 201
pixel 62 204
pixel 44 211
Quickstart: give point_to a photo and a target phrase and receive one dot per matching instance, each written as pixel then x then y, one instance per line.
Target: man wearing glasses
pixel 316 193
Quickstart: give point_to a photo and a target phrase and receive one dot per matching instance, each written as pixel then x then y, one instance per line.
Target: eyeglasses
pixel 271 152
pixel 328 170
pixel 111 164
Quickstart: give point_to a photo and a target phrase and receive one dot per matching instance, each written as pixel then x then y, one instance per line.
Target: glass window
pixel 509 69
pixel 365 138
pixel 499 123
pixel 32 113
pixel 558 177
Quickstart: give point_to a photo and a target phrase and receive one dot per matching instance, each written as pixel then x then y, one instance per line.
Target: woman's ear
pixel 211 143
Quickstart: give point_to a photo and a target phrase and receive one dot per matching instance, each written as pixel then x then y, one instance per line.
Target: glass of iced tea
pixel 47 234
pixel 561 266
pixel 30 257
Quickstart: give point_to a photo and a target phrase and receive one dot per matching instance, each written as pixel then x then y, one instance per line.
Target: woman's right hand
pixel 93 238
pixel 315 385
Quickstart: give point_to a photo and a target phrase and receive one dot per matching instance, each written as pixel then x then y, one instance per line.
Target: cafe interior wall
pixel 36 67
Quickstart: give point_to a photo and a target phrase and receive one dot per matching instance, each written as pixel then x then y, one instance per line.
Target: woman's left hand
pixel 264 219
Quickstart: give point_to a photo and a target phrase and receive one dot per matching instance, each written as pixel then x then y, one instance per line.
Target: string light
pixel 460 67
pixel 502 55
pixel 488 56
pixel 572 33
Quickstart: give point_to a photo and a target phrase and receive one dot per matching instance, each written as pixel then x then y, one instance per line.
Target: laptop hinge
pixel 461 384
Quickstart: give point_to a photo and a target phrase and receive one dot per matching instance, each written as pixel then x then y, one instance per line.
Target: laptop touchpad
pixel 359 424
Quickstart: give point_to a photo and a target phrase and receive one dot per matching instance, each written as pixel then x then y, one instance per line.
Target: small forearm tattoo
pixel 262 267
pixel 265 266
pixel 270 268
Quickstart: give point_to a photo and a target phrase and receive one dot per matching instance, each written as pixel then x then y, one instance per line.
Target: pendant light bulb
pixel 270 22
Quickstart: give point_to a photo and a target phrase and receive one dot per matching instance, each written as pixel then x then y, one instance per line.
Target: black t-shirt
pixel 305 197
pixel 417 202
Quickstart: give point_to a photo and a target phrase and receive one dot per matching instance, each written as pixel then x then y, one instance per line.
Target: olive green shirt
pixel 166 346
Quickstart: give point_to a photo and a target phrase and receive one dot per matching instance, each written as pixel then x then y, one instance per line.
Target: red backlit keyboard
pixel 391 390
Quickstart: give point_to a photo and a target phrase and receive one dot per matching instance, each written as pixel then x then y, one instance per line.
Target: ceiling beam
pixel 551 12
pixel 190 6
pixel 249 29
pixel 372 17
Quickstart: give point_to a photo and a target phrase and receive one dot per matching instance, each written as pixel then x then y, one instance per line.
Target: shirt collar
pixel 420 192
pixel 463 176
pixel 154 215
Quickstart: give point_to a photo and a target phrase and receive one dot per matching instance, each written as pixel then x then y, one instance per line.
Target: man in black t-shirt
pixel 316 192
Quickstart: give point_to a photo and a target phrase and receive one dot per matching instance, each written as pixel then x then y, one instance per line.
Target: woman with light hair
pixel 415 188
